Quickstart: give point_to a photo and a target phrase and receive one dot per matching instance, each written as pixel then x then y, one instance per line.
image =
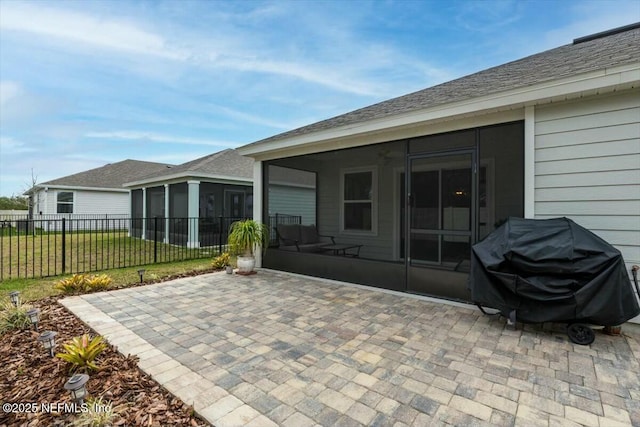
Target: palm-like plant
pixel 247 235
pixel 82 351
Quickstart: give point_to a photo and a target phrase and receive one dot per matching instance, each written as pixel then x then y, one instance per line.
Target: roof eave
pixel 188 175
pixel 76 188
pixel 627 76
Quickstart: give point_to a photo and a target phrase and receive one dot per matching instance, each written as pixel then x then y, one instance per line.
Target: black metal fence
pixel 51 246
pixel 279 218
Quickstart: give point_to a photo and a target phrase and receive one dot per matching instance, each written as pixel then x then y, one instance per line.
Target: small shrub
pixel 99 413
pixel 75 283
pixel 222 260
pixel 82 283
pixel 12 317
pixel 82 351
pixel 98 283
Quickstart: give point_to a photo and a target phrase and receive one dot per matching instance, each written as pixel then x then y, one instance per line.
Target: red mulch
pixel 29 375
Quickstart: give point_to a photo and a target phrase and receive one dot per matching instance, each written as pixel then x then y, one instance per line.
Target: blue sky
pixel 86 83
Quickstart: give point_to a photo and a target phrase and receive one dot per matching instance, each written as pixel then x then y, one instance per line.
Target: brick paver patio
pixel 279 349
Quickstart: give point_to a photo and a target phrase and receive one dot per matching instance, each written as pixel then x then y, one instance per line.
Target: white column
pixel 130 214
pixel 529 161
pixel 194 204
pixel 257 201
pixel 42 206
pixel 144 213
pixel 166 213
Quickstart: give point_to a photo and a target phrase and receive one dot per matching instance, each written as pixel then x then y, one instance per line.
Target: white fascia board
pixel 80 188
pixel 624 77
pixel 292 184
pixel 183 176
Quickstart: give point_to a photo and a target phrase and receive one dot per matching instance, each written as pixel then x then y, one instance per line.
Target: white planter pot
pixel 246 264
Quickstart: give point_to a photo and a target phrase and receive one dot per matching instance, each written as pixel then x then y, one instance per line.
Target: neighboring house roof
pixel 224 165
pixel 108 177
pixel 291 177
pixel 601 51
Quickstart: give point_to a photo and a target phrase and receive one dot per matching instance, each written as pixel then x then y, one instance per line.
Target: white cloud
pixel 592 18
pixel 84 28
pixel 220 49
pixel 314 74
pixel 158 138
pixel 8 91
pixel 13 146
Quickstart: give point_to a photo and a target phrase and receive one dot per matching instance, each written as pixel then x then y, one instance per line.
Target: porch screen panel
pixel 155 209
pixel 178 213
pixel 210 210
pixel 291 198
pixel 501 178
pixel 443 142
pixel 292 194
pixel 136 213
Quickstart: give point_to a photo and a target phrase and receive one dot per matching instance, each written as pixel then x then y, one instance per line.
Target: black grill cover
pixel 551 271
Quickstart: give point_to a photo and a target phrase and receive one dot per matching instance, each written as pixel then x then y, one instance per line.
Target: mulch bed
pixel 29 375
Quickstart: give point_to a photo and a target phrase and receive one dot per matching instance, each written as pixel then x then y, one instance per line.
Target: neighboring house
pixel 292 193
pixel 416 180
pixel 190 199
pixel 90 194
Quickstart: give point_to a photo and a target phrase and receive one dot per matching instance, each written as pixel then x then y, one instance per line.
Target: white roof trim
pixel 626 76
pixel 223 179
pixel 79 188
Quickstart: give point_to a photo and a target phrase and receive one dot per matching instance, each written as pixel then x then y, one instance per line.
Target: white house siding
pixel 289 200
pixel 101 203
pixel 587 167
pixel 88 206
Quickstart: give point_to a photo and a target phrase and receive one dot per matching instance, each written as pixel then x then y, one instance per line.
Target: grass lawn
pixel 41 255
pixel 34 289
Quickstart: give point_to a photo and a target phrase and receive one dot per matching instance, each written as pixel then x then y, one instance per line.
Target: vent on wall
pixel 606 33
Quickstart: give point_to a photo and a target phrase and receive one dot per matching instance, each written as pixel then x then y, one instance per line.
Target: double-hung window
pixel 65 202
pixel 359 205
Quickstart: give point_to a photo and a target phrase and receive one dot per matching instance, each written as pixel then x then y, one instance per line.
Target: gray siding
pixel 376 246
pixel 587 167
pixel 298 201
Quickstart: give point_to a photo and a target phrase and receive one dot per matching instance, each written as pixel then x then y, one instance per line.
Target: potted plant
pixel 246 237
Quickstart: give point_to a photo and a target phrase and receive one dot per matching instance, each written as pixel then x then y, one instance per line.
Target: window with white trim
pixel 359 208
pixel 64 202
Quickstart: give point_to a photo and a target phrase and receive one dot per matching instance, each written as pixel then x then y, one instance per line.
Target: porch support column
pixel 44 208
pixel 166 213
pixel 130 226
pixel 257 201
pixel 144 213
pixel 529 161
pixel 193 240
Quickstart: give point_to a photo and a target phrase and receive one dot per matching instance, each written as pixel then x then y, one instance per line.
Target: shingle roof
pixel 112 175
pixel 580 57
pixel 224 163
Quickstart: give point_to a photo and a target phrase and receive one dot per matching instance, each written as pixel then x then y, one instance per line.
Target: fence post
pixel 155 239
pixel 64 246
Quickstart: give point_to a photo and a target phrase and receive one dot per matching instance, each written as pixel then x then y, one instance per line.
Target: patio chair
pixel 301 238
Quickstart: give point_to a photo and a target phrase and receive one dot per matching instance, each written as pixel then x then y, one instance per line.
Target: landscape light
pixel 34 317
pixel 76 385
pixel 48 340
pixel 15 298
pixel 141 274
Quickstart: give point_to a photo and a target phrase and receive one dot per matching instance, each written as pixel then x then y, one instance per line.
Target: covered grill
pixel 551 271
